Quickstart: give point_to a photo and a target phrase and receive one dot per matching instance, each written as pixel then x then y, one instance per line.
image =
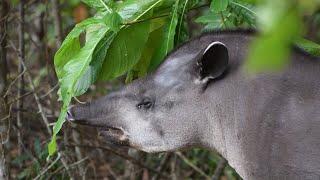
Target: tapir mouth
pixel 111 133
pixel 115 135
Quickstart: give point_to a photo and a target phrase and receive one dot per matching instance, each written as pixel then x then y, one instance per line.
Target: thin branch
pixel 4 71
pixel 9 125
pixel 152 6
pixel 13 82
pixel 186 160
pixel 105 6
pixel 57 22
pixel 162 165
pixel 20 97
pixel 124 156
pixel 147 19
pixel 50 91
pixel 3 41
pixel 20 70
pixel 40 108
pixel 217 172
pixel 41 111
pixel 49 167
pixel 70 166
pixel 77 139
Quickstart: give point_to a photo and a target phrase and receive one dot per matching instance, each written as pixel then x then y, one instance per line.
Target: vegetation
pixel 109 42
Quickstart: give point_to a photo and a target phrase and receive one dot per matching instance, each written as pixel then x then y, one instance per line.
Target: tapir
pixel 266 125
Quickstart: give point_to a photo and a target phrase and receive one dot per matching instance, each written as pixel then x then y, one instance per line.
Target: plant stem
pixel 107 8
pixel 223 20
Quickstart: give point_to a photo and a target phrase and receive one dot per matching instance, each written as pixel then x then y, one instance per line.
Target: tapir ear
pixel 213 62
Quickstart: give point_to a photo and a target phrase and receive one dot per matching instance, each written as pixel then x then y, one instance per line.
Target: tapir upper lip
pixel 107 126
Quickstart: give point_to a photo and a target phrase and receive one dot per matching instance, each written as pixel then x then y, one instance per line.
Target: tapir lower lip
pixel 113 129
pixel 114 135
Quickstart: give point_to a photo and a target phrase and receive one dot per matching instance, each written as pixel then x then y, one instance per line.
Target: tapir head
pixel 161 112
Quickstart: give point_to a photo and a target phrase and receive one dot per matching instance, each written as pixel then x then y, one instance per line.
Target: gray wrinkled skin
pixel 266 126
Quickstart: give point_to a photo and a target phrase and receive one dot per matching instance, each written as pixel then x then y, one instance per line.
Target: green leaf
pixel 141 68
pixel 211 19
pixel 71 45
pixel 219 5
pixel 132 10
pixel 309 46
pixel 270 51
pixel 71 66
pixel 169 41
pixel 101 5
pixel 77 65
pixel 125 51
pixel 91 74
pixel 113 20
pixel 181 20
pixel 167 45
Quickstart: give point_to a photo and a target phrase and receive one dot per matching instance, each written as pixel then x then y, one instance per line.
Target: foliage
pixel 133 37
pixel 35 160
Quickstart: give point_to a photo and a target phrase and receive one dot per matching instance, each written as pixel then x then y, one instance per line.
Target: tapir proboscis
pixel 266 125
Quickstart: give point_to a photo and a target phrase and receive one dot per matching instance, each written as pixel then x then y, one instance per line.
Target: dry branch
pixel 20 70
pixel 186 160
pixel 217 172
pixel 40 108
pixel 122 155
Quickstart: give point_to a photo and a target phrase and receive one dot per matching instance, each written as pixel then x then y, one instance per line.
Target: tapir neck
pixel 222 130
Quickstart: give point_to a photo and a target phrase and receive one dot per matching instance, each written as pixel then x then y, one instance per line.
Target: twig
pixel 122 155
pixel 12 82
pixel 9 125
pixel 77 139
pixel 20 97
pixel 20 70
pixel 162 165
pixel 46 169
pixel 173 166
pixel 217 172
pixel 50 91
pixel 57 22
pixel 105 6
pixel 3 41
pixel 70 166
pixel 186 160
pixel 7 116
pixel 44 117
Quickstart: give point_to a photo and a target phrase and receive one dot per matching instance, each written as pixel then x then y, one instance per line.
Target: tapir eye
pixel 146 103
